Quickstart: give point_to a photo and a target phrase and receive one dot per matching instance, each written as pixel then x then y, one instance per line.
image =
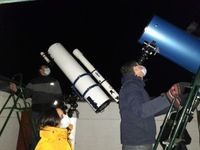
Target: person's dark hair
pixel 128 67
pixel 42 65
pixel 49 118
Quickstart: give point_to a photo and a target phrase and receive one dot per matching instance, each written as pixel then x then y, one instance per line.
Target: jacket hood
pixel 53 132
pixel 132 77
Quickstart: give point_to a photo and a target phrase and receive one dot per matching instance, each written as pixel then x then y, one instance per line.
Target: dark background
pixel 106 32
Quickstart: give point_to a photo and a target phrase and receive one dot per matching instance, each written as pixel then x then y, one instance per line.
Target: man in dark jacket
pixel 43 90
pixel 138 128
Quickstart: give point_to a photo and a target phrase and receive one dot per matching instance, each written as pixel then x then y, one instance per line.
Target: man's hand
pixel 176 92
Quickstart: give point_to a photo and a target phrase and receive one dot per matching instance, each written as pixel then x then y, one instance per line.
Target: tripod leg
pixel 5 103
pixel 198 119
pixel 10 113
pixel 163 127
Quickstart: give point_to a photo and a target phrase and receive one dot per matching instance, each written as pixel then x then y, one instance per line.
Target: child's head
pixel 54 117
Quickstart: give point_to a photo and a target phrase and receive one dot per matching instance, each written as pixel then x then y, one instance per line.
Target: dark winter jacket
pixel 137 112
pixel 43 90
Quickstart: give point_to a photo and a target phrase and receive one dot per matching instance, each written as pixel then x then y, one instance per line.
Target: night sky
pixel 106 32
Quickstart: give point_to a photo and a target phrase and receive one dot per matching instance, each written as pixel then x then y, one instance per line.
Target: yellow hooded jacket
pixel 53 138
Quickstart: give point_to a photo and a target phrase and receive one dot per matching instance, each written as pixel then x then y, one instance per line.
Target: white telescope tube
pixel 82 81
pixel 97 75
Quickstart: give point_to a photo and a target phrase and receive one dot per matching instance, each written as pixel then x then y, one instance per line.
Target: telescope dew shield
pixel 97 75
pixel 174 44
pixel 80 79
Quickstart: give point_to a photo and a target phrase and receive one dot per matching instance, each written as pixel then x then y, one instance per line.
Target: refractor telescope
pixel 91 85
pixel 97 75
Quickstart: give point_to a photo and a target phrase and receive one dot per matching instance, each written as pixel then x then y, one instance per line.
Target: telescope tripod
pixel 15 100
pixel 183 116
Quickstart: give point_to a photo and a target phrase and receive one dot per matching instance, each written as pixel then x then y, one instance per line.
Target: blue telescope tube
pixel 173 43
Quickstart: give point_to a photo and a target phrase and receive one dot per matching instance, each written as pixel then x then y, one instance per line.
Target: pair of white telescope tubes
pixel 81 79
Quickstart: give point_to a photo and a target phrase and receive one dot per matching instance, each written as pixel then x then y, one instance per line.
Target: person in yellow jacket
pixel 55 128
